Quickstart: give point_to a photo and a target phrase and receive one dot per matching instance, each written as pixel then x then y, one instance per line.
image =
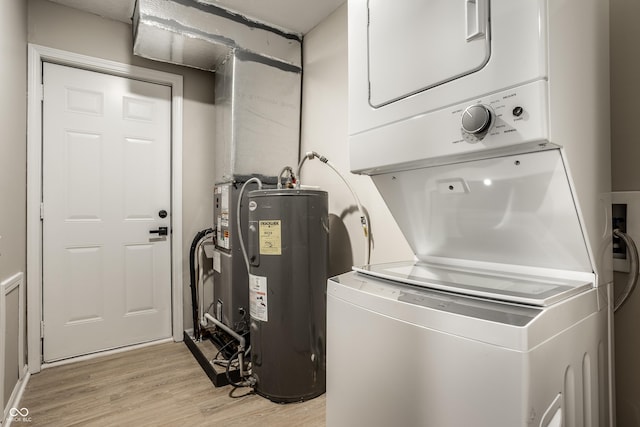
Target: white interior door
pixel 106 179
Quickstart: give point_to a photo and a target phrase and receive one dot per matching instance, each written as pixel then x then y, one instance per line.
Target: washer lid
pixel 516 210
pixel 495 285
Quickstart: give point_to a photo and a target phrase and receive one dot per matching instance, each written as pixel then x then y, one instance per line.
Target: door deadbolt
pixel 162 214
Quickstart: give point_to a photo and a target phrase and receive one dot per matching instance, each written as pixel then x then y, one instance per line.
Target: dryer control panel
pixel 506 117
pixel 513 120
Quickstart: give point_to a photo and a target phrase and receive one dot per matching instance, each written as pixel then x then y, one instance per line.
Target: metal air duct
pixel 200 35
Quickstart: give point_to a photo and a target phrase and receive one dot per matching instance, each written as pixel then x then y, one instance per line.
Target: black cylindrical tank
pixel 288 256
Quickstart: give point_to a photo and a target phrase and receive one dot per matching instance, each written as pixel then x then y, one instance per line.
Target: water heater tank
pixel 288 256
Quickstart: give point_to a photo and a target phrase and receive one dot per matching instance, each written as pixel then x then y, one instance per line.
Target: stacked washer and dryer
pixel 485 127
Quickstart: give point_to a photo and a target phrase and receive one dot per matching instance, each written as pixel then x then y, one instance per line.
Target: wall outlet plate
pixel 632 200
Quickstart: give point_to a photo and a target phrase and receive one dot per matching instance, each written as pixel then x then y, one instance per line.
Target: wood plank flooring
pixel 160 385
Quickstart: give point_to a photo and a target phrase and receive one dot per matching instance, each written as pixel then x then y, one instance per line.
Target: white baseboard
pixel 8 286
pixel 15 398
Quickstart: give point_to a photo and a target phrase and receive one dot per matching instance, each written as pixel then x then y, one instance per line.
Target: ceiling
pixel 298 16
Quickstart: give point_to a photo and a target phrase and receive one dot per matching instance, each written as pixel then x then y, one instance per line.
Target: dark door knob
pixel 161 231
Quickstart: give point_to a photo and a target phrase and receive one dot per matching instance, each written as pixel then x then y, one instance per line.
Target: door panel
pixel 139 279
pixel 82 263
pixel 140 154
pixel 439 41
pixel 106 174
pixel 83 176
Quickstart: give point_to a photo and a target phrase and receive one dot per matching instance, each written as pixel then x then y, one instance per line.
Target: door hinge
pixel 41 211
pixel 42 92
pixel 42 329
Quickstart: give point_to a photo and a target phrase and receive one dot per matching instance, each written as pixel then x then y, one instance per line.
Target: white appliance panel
pixel 457 33
pixel 520 123
pixel 510 210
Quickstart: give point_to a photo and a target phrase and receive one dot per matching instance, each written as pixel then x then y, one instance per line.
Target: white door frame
pixel 37 55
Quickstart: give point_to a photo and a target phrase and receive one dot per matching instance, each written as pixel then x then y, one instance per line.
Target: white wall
pixel 625 90
pixel 72 30
pixel 13 149
pixel 13 145
pixel 325 130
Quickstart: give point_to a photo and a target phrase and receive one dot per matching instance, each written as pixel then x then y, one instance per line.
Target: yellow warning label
pixel 270 237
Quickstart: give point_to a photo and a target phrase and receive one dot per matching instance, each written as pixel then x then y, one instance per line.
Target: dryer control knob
pixel 476 119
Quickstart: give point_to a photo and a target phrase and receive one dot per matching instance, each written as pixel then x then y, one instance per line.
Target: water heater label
pixel 270 237
pixel 258 298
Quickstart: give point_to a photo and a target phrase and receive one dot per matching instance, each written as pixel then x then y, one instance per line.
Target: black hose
pixel 192 278
pixel 221 349
pixel 233 383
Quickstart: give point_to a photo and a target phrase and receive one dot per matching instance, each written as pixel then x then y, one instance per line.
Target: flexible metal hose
pixel 633 270
pixel 364 221
pixel 239 222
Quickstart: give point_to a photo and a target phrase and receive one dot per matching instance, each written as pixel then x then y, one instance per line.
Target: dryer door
pixel 439 41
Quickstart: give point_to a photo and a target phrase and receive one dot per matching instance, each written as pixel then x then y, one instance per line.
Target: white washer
pixel 406 356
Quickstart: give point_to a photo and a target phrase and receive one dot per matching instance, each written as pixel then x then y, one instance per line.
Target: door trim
pixel 37 55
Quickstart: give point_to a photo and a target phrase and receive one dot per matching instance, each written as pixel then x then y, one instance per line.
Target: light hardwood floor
pixel 160 385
